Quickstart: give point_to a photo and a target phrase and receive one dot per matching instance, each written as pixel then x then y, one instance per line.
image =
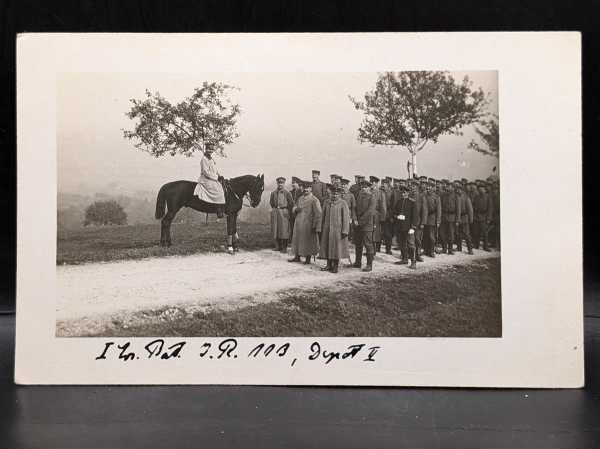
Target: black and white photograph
pixel 363 204
pixel 315 209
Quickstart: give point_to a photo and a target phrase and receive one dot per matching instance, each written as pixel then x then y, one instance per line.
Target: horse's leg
pixel 230 218
pixel 235 238
pixel 166 224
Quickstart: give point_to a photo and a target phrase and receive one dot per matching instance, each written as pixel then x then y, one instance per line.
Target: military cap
pixel 305 184
pixel 296 180
pixel 385 181
pixel 365 183
pixel 463 180
pixel 345 181
pixel 397 180
pixel 422 178
pixel 388 178
pixel 373 179
pixel 334 176
pixel 337 190
pixel 357 177
pixel 280 179
pixel 316 172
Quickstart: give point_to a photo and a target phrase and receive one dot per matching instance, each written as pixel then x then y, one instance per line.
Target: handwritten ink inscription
pixel 230 348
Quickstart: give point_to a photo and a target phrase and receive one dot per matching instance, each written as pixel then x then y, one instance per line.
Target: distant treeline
pixel 140 210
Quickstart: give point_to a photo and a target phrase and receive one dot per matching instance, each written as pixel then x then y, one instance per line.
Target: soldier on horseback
pixel 209 188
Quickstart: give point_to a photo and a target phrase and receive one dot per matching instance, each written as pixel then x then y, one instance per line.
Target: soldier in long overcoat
pixel 466 219
pixel 307 226
pixel 281 210
pixel 334 231
pixel 482 216
pixel 434 219
pixel 363 236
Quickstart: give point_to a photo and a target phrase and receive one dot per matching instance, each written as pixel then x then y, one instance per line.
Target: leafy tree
pixel 105 213
pixel 208 117
pixel 489 135
pixel 411 109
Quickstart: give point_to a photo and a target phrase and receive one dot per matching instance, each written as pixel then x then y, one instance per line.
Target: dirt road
pixel 209 281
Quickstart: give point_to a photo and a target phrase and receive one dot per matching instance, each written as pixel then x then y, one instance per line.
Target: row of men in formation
pixel 322 218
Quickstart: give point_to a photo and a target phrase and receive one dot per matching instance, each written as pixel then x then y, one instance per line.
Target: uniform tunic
pixel 336 221
pixel 281 203
pixel 209 188
pixel 305 241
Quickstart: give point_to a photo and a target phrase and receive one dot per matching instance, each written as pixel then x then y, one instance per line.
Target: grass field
pixel 103 244
pixel 460 301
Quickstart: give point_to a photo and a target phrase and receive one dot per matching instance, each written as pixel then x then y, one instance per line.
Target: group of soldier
pixel 425 215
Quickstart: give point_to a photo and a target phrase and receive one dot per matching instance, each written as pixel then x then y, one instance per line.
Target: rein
pixel 246 196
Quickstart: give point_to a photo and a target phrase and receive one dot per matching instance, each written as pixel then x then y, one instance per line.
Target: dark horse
pixel 177 194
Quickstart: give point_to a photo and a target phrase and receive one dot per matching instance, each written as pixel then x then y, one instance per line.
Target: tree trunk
pixel 413 164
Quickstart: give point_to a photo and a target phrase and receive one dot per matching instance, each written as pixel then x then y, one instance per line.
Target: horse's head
pixel 256 190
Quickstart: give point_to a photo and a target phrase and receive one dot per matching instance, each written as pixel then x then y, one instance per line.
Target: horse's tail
pixel 161 204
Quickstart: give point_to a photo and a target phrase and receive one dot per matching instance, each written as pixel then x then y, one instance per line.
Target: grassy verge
pixel 105 244
pixel 460 301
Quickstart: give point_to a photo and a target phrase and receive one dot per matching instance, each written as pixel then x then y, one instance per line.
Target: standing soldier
pixel 404 213
pixel 296 193
pixel 281 209
pixel 380 212
pixel 351 201
pixel 335 229
pixel 466 218
pixel 482 214
pixel 434 218
pixel 307 225
pixel 388 224
pixel 451 213
pixel 319 189
pixel 365 212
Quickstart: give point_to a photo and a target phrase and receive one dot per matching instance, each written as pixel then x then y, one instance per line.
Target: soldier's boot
pixel 328 266
pixel 450 251
pixel 413 260
pixel 402 261
pixel 388 249
pixel 444 249
pixel 369 266
pixel 334 267
pixel 307 260
pixel 295 259
pixel 220 210
pixel 358 258
pixel 284 245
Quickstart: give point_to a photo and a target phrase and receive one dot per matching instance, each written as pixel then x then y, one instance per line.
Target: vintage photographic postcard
pixel 300 209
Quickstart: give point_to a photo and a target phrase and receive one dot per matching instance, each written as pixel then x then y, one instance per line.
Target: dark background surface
pixel 168 417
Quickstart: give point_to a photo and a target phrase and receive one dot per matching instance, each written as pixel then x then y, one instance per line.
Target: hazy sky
pixel 290 124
